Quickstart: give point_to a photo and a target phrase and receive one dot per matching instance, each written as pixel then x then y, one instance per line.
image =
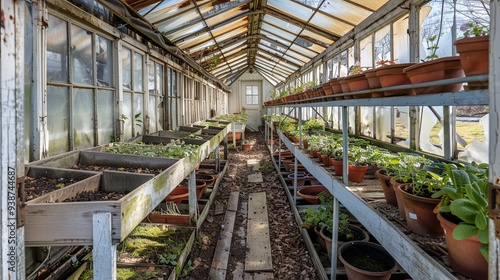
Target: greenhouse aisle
pixel 290 258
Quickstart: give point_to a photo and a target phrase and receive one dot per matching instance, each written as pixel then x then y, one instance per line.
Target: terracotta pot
pixel 327 89
pixel 201 188
pixel 351 254
pixel 301 179
pixel 399 199
pixel 356 83
pixel 160 218
pixel 337 167
pixel 208 179
pixel 305 144
pixel 393 75
pixel 311 193
pixel 320 238
pixel 465 257
pixel 474 56
pixel 373 81
pixel 312 180
pixel 390 195
pixel 335 84
pixel 246 147
pixel 419 213
pixel 345 87
pixel 435 70
pixel 356 173
pixel 177 195
pixel 300 168
pixel 325 160
pixel 359 235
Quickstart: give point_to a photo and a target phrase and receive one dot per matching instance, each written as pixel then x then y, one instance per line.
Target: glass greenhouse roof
pixel 272 37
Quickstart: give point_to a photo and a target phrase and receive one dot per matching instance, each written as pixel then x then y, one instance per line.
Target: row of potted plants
pixel 450 196
pixel 472 60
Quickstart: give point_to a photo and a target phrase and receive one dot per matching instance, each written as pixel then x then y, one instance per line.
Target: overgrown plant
pixel 465 196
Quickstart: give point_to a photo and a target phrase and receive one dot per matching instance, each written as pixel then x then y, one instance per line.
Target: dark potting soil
pixel 96 196
pixel 36 187
pixel 366 259
pixel 124 169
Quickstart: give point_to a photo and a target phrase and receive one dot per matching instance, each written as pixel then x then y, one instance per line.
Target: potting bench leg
pixel 225 147
pixel 335 235
pixel 193 214
pixel 217 158
pixel 295 179
pixel 104 251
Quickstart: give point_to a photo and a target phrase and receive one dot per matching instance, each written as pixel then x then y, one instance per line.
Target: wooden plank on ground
pixel 258 276
pixel 254 164
pixel 255 178
pixel 221 257
pixel 258 257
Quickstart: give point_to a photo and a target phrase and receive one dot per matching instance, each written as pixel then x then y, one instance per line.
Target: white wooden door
pixel 251 99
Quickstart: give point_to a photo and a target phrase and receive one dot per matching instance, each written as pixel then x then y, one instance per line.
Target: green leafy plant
pixel 314 125
pixel 432 46
pixel 356 69
pixel 168 258
pixel 474 29
pixel 188 267
pixel 174 149
pixel 465 196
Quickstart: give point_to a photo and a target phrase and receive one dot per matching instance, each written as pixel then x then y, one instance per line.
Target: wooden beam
pixel 258 257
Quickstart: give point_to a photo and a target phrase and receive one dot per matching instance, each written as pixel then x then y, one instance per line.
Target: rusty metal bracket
pixel 494 206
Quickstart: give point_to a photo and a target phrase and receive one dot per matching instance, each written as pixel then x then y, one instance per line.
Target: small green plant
pixel 432 47
pixel 314 125
pixel 356 69
pixel 188 267
pixel 168 258
pixel 138 119
pixel 60 186
pixel 474 29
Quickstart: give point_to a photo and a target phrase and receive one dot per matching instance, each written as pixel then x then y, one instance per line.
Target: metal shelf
pixel 471 97
pixel 412 259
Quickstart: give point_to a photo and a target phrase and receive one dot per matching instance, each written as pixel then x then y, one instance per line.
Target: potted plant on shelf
pixel 312 217
pixel 247 145
pixel 474 51
pixel 357 81
pixel 463 214
pixel 366 260
pixel 393 75
pixel 419 205
pixel 435 69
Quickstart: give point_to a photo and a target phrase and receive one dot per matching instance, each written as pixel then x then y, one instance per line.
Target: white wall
pixel 235 95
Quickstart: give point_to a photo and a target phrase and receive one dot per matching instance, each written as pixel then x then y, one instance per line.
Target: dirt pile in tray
pixel 289 254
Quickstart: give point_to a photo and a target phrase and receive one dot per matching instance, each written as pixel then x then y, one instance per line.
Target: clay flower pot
pixel 356 83
pixel 435 70
pixel 345 87
pixel 474 57
pixel 390 195
pixel 336 87
pixel 359 235
pixel 311 193
pixel 337 167
pixel 176 219
pixel 301 178
pixel 373 81
pixel 366 260
pixel 201 187
pixel 246 147
pixel 356 173
pixel 465 257
pixel 399 199
pixel 208 179
pixel 419 214
pixel 177 195
pixel 393 75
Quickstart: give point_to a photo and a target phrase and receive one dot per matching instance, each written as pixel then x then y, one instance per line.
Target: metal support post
pixel 345 144
pixel 193 202
pixel 103 251
pixel 335 236
pixel 300 126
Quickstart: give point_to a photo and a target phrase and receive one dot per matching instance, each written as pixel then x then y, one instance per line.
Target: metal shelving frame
pixel 417 263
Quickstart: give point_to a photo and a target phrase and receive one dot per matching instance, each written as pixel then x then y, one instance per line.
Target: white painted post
pixel 494 128
pixel 104 251
pixel 11 136
pixel 193 214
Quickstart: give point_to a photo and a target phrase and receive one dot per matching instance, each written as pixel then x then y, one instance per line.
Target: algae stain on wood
pixel 136 209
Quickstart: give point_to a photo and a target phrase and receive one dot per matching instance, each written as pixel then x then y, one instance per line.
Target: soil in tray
pixel 35 187
pixel 124 169
pixel 152 248
pixel 96 196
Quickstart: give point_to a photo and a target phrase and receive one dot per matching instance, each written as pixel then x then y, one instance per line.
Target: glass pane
pixel 104 56
pixel 365 46
pixel 139 113
pixel 152 114
pixel 383 123
pixel 329 67
pixel 431 133
pixel 401 40
pixel 126 68
pixel 402 126
pixel 138 72
pixel 159 79
pixel 343 64
pixel 383 44
pixel 472 125
pixel 105 116
pixel 83 118
pixel 436 39
pixel 468 11
pixel 151 77
pixel 336 65
pixel 58 119
pixel 81 56
pixel 367 121
pixel 255 100
pixel 127 116
pixel 57 50
pixel 255 90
